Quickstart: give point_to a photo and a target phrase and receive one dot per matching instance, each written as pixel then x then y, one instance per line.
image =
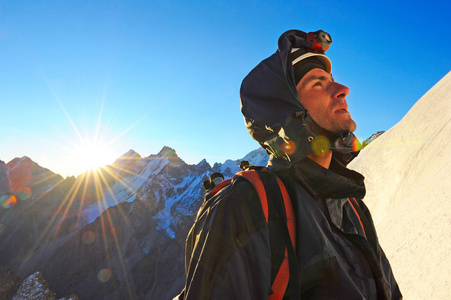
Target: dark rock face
pixel 9 283
pixel 116 234
pixel 29 180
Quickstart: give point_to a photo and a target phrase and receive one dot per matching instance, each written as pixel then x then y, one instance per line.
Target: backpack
pixel 279 214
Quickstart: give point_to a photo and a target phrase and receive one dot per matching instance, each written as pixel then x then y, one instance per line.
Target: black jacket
pixel 228 252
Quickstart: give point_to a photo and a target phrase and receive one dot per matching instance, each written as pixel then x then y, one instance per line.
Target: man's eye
pixel 318 83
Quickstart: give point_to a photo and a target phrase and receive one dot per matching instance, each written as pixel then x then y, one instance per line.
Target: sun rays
pixel 91 188
pixel 66 202
pixel 65 205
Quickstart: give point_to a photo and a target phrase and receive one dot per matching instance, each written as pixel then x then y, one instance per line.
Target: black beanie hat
pixel 304 60
pixel 305 65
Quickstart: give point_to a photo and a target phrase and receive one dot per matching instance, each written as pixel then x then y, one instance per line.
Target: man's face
pixel 325 100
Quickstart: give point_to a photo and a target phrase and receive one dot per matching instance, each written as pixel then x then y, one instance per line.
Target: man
pixel 293 107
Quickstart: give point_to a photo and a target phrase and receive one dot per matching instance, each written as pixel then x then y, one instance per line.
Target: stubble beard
pixel 334 127
pixel 340 126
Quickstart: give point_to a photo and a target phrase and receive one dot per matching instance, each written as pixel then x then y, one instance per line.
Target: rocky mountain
pixel 118 233
pixel 9 283
pixel 371 138
pixel 29 180
pixel 34 287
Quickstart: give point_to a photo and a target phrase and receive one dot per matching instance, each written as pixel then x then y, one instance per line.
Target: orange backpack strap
pixel 288 266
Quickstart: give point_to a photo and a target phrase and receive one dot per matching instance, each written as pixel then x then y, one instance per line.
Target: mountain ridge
pixel 130 223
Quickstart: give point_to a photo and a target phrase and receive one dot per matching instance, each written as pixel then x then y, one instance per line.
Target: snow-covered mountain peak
pixel 258 157
pixel 411 153
pixel 130 154
pixel 167 152
pixel 203 163
pixel 408 188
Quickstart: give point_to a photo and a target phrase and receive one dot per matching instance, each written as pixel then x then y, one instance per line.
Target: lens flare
pixel 88 237
pixel 8 201
pixel 24 193
pixel 356 146
pixel 320 145
pixel 20 175
pixel 104 275
pixel 288 147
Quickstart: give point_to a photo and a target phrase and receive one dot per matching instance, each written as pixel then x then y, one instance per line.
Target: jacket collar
pixel 336 182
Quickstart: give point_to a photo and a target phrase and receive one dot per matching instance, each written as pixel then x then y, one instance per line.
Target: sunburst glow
pixel 88 153
pixel 92 155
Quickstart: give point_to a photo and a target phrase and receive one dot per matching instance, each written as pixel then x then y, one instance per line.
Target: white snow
pixel 34 287
pixel 258 157
pixel 407 172
pixel 125 190
pixel 189 185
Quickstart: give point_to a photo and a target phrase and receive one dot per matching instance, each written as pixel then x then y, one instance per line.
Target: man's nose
pixel 340 91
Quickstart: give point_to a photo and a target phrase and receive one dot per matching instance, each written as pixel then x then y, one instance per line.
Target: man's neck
pixel 322 160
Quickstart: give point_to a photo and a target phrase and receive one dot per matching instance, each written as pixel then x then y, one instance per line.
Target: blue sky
pixel 144 74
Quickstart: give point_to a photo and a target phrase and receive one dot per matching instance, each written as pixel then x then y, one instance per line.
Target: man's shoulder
pixel 233 196
pixel 243 187
pixel 236 202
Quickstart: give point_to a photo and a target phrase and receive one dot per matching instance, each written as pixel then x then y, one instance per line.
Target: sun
pixel 92 155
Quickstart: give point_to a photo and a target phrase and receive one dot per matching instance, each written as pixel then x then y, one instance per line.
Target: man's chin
pixel 352 127
pixel 349 126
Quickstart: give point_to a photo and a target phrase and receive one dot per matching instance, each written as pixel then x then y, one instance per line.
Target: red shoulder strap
pixel 220 186
pixel 281 281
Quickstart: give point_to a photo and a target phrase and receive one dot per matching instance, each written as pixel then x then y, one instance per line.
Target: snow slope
pixel 407 172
